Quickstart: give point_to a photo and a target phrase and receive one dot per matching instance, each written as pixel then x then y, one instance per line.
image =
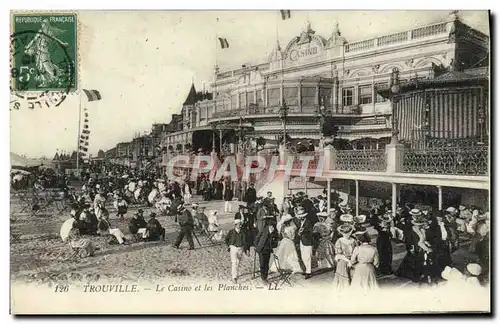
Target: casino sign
pixel 304 47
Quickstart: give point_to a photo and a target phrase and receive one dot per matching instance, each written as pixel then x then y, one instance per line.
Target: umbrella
pixel 125 176
pixel 66 228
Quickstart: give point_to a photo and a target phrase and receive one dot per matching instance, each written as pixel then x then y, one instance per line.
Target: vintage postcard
pixel 250 162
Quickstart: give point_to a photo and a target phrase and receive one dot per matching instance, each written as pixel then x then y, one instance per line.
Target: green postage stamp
pixel 44 52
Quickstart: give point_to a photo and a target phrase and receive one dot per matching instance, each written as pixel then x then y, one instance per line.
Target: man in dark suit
pixel 251 195
pixel 305 235
pixel 265 241
pixel 155 230
pixel 310 210
pixel 186 223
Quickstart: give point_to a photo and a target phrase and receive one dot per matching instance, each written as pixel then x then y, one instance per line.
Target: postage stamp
pixel 43 56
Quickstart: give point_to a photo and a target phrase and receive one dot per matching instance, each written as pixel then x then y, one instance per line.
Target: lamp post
pixel 213 136
pixel 395 88
pixel 283 112
pixel 321 115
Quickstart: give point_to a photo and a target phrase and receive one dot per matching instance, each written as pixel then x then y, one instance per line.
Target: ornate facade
pixel 333 73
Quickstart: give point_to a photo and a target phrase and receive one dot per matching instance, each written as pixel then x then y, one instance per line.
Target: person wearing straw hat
pixel 344 248
pixel 286 252
pixel 265 241
pixel 384 245
pixel 237 244
pixel 325 253
pixel 305 235
pixel 416 261
pixel 262 212
pixel 439 238
pixel 186 223
pixel 365 260
pixel 473 271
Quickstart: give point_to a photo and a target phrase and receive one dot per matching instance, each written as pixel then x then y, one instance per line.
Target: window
pixel 365 94
pixel 273 97
pixel 234 102
pixel 379 98
pixel 290 96
pixel 260 100
pixel 308 96
pixel 250 98
pixel 242 98
pixel 325 94
pixel 347 97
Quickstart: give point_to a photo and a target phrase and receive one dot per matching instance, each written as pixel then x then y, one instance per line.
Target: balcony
pixel 274 110
pixel 455 161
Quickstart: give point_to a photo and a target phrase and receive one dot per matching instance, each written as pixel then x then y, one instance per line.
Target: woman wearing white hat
pixel 286 252
pixel 473 272
pixel 344 248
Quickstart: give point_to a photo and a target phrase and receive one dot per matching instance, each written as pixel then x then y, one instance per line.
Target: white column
pixel 440 198
pixel 357 197
pixel 394 198
pixel 328 194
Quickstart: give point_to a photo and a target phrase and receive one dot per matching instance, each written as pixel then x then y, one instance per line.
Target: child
pixel 121 207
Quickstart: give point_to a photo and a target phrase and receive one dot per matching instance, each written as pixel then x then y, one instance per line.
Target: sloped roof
pixel 191 97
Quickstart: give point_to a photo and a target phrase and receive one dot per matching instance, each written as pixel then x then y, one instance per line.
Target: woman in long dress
pixel 286 252
pixel 325 253
pixel 415 264
pixel 384 245
pixel 344 247
pixel 364 259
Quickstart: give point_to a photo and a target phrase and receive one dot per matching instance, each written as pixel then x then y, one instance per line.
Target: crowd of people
pixel 299 235
pixel 339 241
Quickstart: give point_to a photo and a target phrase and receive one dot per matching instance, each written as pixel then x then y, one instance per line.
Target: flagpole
pixel 216 68
pixel 78 138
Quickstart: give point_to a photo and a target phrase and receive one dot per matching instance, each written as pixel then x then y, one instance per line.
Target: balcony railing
pixel 361 160
pixel 398 38
pixel 459 161
pixel 313 164
pixel 274 110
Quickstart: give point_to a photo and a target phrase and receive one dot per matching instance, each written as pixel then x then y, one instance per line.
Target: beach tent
pixel 17 161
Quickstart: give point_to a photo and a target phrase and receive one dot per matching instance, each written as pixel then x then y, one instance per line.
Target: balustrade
pixel 313 164
pixel 361 160
pixel 392 39
pixel 428 31
pixel 457 160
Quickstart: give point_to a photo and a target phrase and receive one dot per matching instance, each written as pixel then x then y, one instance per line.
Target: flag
pixel 86 114
pixel 223 42
pixel 86 126
pixel 83 137
pixel 83 148
pixel 86 144
pixel 85 131
pixel 285 14
pixel 92 95
pixel 86 120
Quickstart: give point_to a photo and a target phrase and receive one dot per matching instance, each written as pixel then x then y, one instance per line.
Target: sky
pixel 143 63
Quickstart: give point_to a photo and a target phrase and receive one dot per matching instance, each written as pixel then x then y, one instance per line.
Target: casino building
pixel 315 75
pixel 413 105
